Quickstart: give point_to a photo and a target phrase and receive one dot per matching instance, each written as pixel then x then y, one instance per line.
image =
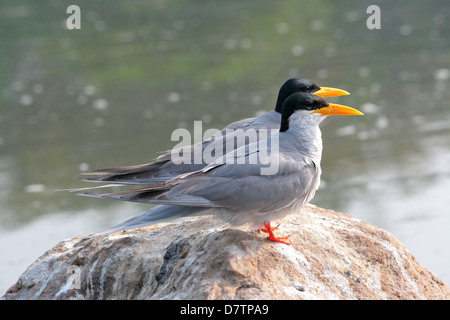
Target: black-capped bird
pixel 284 177
pixel 165 169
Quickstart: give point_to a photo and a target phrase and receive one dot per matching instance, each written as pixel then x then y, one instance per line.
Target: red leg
pixel 272 236
pixel 264 229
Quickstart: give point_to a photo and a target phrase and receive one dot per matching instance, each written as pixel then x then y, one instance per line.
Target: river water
pixel 112 92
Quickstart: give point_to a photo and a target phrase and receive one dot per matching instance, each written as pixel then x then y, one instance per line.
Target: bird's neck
pixel 309 143
pixel 307 137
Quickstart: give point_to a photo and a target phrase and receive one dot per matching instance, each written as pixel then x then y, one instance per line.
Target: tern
pixel 236 191
pixel 165 169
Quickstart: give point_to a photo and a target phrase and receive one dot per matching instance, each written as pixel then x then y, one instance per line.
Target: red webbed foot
pixel 272 237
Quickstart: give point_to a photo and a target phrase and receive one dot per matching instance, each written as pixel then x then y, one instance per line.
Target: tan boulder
pixel 331 256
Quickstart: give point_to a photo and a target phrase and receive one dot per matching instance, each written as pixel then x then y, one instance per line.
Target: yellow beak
pixel 330 92
pixel 337 109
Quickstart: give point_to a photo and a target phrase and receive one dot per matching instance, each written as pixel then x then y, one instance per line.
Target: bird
pixel 242 192
pixel 165 169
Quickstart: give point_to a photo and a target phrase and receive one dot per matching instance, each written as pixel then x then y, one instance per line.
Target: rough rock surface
pixel 332 256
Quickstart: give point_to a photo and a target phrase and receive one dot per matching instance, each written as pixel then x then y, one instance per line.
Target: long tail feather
pixel 150 176
pixel 78 190
pixel 125 169
pixel 139 195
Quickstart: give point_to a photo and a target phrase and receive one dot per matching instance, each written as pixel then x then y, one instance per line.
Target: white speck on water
pixel 100 25
pixel 330 52
pixel 418 119
pixel 382 122
pixel 317 25
pixel 297 50
pixel 99 121
pixel 83 166
pixel 38 88
pixel 365 135
pixel 375 88
pixel 322 73
pixel 149 114
pixel 26 100
pixel 173 97
pixel 405 30
pixel 256 99
pixel 206 118
pixel 345 131
pixel 230 44
pixel 90 90
pixel 352 15
pixel 125 37
pixel 293 72
pixel 82 99
pixel 100 104
pixel 35 188
pixel 369 108
pixel 364 71
pixel 282 28
pixel 442 74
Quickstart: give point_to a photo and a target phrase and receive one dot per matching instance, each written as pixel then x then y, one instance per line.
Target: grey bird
pixel 240 192
pixel 165 169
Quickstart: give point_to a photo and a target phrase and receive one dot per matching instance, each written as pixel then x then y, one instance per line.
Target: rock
pixel 331 256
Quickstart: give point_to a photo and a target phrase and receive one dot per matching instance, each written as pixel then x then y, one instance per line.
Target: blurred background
pixel 111 94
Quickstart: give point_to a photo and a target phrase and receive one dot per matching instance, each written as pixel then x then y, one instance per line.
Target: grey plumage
pixel 239 193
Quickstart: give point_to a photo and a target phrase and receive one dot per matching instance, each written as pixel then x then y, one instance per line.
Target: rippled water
pixel 112 93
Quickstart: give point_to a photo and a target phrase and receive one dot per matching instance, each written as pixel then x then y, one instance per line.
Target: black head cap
pixel 292 86
pixel 299 101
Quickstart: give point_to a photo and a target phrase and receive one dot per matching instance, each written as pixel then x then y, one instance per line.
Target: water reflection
pixel 111 94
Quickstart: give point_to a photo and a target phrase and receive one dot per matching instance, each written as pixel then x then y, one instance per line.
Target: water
pixel 111 94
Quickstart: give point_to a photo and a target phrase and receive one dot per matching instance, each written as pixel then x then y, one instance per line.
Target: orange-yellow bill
pixel 330 92
pixel 337 109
